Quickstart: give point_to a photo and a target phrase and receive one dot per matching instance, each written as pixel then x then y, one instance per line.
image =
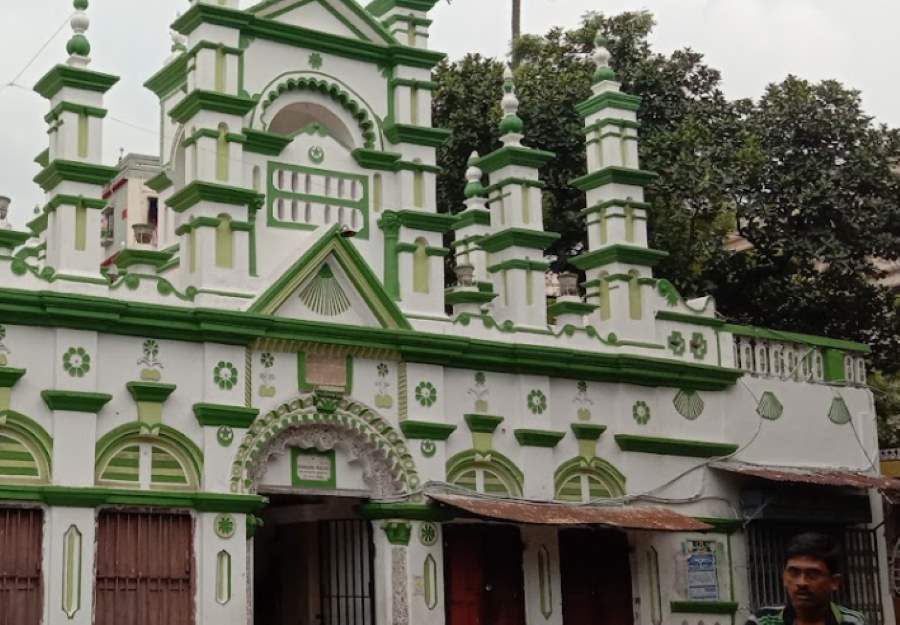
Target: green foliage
pixel 886 389
pixel 803 175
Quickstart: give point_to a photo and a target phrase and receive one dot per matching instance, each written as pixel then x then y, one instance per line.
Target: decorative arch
pixel 326 422
pixel 26 450
pixel 347 101
pixel 581 480
pixel 176 463
pixel 488 472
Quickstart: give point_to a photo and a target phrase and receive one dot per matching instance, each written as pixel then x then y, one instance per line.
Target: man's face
pixel 809 583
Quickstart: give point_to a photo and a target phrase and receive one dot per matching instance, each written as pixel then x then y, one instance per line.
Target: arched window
pixel 299 116
pixel 224 243
pixel 582 480
pixel 257 179
pixel 635 305
pixel 26 451
pixel 222 156
pixel 485 472
pixel 123 456
pixel 421 267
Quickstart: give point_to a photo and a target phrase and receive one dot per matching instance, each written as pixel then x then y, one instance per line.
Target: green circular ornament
pixel 78 45
pixel 225 526
pixel 316 154
pixel 428 534
pixel 225 436
pixel 428 449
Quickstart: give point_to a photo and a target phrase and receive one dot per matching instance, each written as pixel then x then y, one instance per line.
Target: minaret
pixel 618 263
pixel 214 204
pixel 515 248
pixel 473 288
pixel 406 20
pixel 73 176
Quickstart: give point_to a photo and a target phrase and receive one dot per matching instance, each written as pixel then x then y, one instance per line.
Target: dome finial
pixel 511 126
pixel 474 188
pixel 601 60
pixel 78 47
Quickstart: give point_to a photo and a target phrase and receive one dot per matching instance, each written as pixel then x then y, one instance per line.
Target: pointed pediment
pixel 331 282
pixel 344 18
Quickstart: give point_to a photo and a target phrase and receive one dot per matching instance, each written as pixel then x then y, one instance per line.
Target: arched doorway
pixel 317 459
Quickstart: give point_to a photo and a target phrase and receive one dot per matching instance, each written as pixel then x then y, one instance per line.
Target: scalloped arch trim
pixel 344 414
pixel 336 93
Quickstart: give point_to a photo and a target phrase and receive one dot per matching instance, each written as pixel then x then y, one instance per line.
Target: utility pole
pixel 516 28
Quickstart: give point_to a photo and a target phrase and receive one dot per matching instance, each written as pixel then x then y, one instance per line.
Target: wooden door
pixel 596 577
pixel 484 583
pixel 145 569
pixel 20 566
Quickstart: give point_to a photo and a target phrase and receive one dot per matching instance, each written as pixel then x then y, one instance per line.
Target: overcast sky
pixel 753 42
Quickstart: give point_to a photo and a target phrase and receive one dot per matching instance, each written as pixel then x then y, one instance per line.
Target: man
pixel 811 576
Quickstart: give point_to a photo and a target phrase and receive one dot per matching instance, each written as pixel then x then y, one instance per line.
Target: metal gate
pixel 20 566
pixel 145 568
pixel 860 588
pixel 346 583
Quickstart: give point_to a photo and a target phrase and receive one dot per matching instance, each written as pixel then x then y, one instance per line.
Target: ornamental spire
pixel 474 188
pixel 511 126
pixel 601 59
pixel 78 47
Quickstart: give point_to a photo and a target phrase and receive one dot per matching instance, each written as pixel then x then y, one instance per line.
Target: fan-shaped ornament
pixel 769 407
pixel 689 404
pixel 324 294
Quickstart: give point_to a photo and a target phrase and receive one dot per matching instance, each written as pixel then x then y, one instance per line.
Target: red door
pixel 483 573
pixel 20 566
pixel 596 577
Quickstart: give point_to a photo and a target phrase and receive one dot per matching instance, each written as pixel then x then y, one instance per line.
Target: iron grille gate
pixel 860 588
pixel 145 568
pixel 20 566
pixel 346 583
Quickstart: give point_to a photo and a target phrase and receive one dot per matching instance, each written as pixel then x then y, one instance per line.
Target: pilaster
pixel 406 20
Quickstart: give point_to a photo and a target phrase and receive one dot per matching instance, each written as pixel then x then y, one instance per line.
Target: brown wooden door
pixel 20 566
pixel 145 569
pixel 596 577
pixel 483 573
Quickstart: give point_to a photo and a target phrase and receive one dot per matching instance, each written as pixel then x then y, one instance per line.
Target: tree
pixel 803 174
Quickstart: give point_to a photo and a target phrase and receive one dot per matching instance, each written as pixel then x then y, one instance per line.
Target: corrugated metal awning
pixel 547 513
pixel 808 475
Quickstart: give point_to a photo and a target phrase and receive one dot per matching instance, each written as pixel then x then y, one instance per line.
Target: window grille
pixel 20 566
pixel 345 567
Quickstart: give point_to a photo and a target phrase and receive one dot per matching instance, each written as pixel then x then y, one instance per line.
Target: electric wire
pixel 15 80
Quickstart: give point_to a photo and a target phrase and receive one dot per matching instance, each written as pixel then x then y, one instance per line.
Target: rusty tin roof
pixel 809 475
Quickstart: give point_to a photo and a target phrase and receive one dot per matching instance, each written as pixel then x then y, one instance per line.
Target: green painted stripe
pixel 18 471
pixel 15 455
pixel 168 479
pixel 119 477
pixel 170 463
pixel 128 463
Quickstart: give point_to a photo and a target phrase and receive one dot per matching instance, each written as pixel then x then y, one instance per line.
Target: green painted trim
pixel 608 100
pixel 150 391
pixel 377 511
pixel 674 446
pixel 587 431
pixel 217 415
pixel 75 401
pixel 513 156
pixel 159 182
pixel 97 497
pixel 265 143
pixel 697 320
pixel 78 78
pixel 13 238
pixel 78 109
pixel 417 220
pixel 523 182
pixel 614 175
pixel 610 121
pixel 74 171
pixel 538 438
pixel 518 237
pixel 571 308
pixel 251 26
pixel 209 133
pixel 416 135
pixel 597 468
pixel 397 532
pixel 721 525
pixel 482 423
pixel 520 263
pixel 199 191
pixel 426 430
pixel 43 159
pixel 375 159
pixel 453 297
pixel 170 78
pixel 624 254
pixel 211 101
pixel 703 607
pixel 833 366
pixel 112 316
pixel 795 337
pixel 472 217
pixel 380 7
pixel 133 256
